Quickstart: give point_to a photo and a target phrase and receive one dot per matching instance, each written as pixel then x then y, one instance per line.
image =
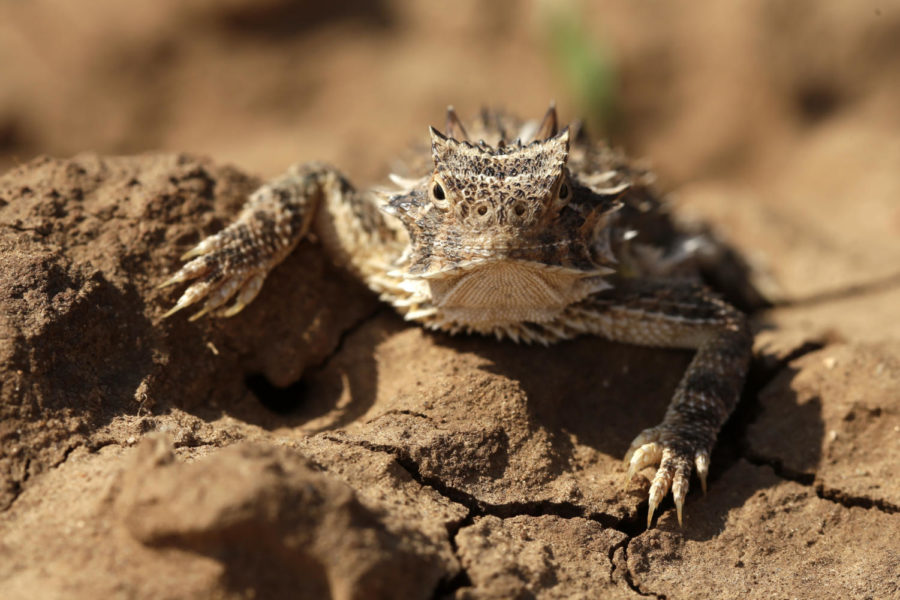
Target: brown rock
pixel 544 557
pixel 60 540
pixel 239 522
pixel 833 416
pixel 279 528
pixel 83 242
pixel 492 423
pixel 763 537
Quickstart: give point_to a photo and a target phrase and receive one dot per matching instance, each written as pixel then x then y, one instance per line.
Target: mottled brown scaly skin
pixel 513 230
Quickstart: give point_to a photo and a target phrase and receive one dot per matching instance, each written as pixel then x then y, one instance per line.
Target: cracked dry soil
pixel 165 459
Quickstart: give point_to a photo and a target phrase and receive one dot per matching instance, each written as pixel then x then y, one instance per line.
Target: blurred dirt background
pixel 316 446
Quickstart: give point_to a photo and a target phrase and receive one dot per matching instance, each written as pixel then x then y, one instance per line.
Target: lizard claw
pixel 192 270
pixel 701 462
pixel 654 500
pixel 218 289
pixel 173 310
pixel 206 246
pixel 191 295
pixel 644 438
pixel 198 314
pixel 680 486
pixel 171 281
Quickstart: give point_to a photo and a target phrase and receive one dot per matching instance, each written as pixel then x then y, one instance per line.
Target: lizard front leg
pixel 234 262
pixel 678 314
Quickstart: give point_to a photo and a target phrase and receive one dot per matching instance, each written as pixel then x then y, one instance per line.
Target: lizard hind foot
pixel 675 456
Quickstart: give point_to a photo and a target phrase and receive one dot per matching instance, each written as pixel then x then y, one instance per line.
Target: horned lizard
pixel 530 233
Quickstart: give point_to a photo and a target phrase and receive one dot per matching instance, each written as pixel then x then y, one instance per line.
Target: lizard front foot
pixel 223 270
pixel 234 262
pixel 676 452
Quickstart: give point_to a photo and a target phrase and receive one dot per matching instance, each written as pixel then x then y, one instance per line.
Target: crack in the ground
pixel 849 501
pixel 345 334
pixel 842 293
pixel 68 452
pixel 92 446
pixel 26 472
pixel 447 588
pixel 629 576
pixel 611 557
pixel 804 479
pixel 757 381
pixel 399 411
pixel 479 508
pixel 38 230
pixel 19 486
pixel 833 495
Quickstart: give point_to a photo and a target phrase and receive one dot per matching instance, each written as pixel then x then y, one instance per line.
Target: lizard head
pixel 504 232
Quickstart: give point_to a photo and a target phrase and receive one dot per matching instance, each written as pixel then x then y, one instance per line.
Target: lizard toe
pixel 644 456
pixel 644 438
pixel 193 294
pixel 218 296
pixel 249 289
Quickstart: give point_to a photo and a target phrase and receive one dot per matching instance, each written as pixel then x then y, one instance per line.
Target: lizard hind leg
pixel 678 314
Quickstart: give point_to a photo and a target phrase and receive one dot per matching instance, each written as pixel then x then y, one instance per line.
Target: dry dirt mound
pixel 168 459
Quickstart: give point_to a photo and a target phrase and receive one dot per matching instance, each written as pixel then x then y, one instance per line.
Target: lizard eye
pixel 439 194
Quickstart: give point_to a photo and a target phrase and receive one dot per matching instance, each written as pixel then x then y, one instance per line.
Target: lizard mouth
pixel 493 263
